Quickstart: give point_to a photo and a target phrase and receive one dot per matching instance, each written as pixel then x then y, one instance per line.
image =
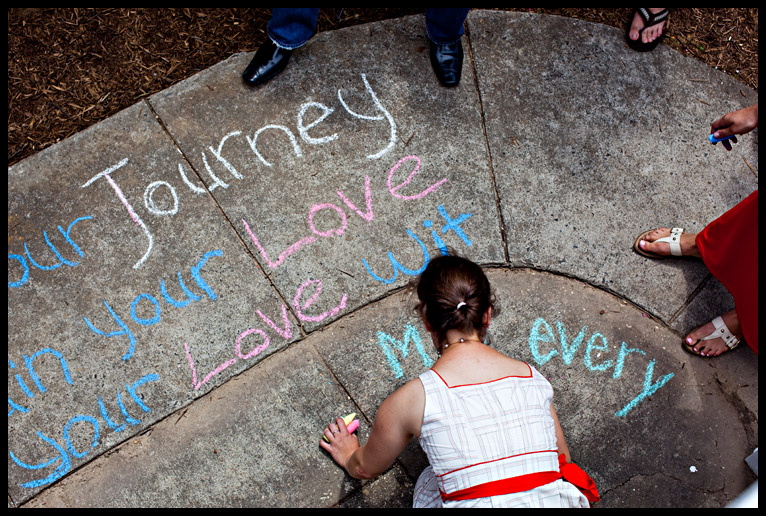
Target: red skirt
pixel 729 248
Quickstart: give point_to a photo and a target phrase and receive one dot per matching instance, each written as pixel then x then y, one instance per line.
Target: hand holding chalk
pixel 715 140
pixel 725 140
pixel 351 424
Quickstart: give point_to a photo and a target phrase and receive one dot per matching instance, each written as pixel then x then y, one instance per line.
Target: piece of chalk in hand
pixel 350 423
pixel 714 140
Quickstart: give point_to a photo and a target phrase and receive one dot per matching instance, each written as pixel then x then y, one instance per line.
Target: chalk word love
pixel 61 260
pixel 67 449
pixel 190 296
pixel 367 215
pixel 285 331
pixel 159 209
pixel 542 332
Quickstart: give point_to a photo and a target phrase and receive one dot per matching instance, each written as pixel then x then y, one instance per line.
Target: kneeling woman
pixel 485 421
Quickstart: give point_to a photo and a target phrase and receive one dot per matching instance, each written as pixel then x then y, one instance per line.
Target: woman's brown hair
pixel 454 293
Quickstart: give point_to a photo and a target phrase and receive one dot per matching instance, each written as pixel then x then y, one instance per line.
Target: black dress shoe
pixel 447 62
pixel 268 61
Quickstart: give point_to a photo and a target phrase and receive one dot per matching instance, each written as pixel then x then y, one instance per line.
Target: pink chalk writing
pixel 285 332
pixel 420 195
pixel 338 231
pixel 368 215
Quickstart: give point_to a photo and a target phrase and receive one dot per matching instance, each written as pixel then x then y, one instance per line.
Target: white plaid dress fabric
pixel 479 433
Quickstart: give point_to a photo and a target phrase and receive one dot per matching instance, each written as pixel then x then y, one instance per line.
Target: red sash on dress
pixel 569 471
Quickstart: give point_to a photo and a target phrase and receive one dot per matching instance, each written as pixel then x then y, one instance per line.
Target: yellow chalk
pixel 346 420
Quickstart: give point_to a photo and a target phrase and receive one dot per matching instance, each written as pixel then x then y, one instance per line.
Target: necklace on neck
pixel 459 341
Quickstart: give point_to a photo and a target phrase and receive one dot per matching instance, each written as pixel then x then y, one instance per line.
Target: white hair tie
pixel 462 303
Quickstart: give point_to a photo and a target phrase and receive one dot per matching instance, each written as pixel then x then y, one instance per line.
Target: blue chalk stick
pixel 713 139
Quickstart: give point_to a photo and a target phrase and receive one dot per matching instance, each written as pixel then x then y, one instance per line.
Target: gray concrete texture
pixel 200 283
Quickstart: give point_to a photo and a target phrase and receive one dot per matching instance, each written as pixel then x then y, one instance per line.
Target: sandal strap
pixel 722 332
pixel 674 240
pixel 651 18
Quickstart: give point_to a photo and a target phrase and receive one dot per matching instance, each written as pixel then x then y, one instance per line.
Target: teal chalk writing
pixel 649 389
pixel 590 347
pixel 568 350
pixel 624 352
pixel 388 344
pixel 542 334
pixel 535 337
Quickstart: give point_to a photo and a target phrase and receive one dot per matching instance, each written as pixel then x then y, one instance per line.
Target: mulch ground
pixel 70 68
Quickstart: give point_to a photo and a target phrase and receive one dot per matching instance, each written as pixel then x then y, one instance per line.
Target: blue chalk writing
pixel 24 276
pixel 397 266
pixel 29 363
pixel 59 472
pixel 61 260
pixel 105 417
pixel 454 224
pixel 190 296
pixel 68 450
pixel 139 320
pixel 93 421
pixel 132 389
pixel 387 343
pixel 132 421
pixel 20 381
pixel 123 331
pixel 195 273
pixel 451 225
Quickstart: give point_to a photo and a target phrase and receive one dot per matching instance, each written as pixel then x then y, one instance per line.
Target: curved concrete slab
pixel 199 283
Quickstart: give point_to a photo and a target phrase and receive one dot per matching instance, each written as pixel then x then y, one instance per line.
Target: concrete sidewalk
pixel 200 283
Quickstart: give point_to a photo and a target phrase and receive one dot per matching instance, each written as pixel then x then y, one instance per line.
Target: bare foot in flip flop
pixel 714 346
pixel 647 243
pixel 651 32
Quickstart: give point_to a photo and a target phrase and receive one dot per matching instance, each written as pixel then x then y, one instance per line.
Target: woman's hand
pixel 736 122
pixel 342 444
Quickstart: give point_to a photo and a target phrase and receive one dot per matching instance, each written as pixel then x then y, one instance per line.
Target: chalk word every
pixel 542 332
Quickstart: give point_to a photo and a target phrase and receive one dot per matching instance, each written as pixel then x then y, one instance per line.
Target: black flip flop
pixel 649 20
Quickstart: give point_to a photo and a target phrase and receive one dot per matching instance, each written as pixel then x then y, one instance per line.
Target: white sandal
pixel 674 240
pixel 721 332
